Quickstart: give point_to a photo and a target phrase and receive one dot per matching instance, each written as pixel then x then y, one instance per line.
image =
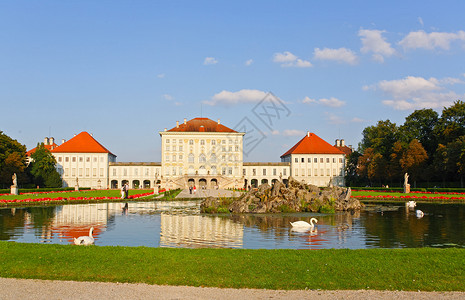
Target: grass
pixel 87 194
pixel 423 269
pixel 410 196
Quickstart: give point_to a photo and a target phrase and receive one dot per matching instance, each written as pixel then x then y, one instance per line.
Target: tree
pixel 372 165
pixel 394 168
pixel 43 168
pixel 380 138
pixel 12 159
pixel 455 161
pixel 413 160
pixel 351 176
pixel 420 125
pixel 451 125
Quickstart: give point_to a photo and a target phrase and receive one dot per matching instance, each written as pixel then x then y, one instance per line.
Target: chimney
pixel 177 124
pixel 219 122
pixel 165 129
pixel 46 141
pixel 185 121
pixel 91 134
pixel 74 135
pixel 343 143
pixel 52 141
pixel 338 143
pixel 202 128
pixel 63 141
pixel 308 133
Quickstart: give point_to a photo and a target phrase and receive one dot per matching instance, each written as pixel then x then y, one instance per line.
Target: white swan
pixel 303 224
pixel 419 213
pixel 85 240
pixel 410 204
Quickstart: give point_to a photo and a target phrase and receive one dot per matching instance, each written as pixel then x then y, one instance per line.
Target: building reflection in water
pixel 195 231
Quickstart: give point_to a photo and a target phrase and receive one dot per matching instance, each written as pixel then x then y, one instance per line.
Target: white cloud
pixel 210 61
pixel 242 96
pixel 373 42
pixel 168 97
pixel 341 55
pixel 293 132
pixel 331 102
pixel 413 92
pixel 334 119
pixel 161 75
pixel 287 59
pixel 431 41
pixel 249 62
pixel 357 120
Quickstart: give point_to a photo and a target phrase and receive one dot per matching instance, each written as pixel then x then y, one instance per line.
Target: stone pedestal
pixel 76 188
pixel 14 190
pixel 407 188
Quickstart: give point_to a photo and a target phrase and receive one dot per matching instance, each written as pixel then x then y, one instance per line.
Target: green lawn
pixel 423 269
pixel 393 194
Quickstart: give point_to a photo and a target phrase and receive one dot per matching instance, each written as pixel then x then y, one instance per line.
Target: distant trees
pixel 41 171
pixel 429 147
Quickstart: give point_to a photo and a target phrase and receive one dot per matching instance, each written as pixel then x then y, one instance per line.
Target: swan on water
pixel 419 213
pixel 85 240
pixel 303 224
pixel 411 204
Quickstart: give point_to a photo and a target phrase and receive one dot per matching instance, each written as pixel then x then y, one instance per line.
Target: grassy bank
pixel 396 196
pixel 382 269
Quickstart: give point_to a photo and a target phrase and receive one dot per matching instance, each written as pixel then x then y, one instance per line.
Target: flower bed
pixel 57 199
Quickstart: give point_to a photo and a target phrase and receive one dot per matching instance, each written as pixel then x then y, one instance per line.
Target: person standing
pixel 195 189
pixel 126 191
pixel 123 191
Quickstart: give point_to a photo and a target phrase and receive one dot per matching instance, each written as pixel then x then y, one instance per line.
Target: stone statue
pixel 15 180
pixel 405 179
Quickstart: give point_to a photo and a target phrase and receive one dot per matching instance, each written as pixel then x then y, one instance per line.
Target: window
pixel 296 160
pixel 309 172
pixel 327 172
pixel 147 171
pixel 202 158
pixel 264 172
pixel 309 160
pixel 88 172
pixel 322 173
pixel 284 172
pixel 66 159
pixel 223 149
pixel 230 149
pixel 223 157
pixel 101 172
pixel 202 142
pixel 321 160
pixel 244 172
pixel 230 141
pixel 167 141
pixel 87 159
pixel 136 171
pixel 274 172
pixel 213 158
pixel 315 173
pixel 327 160
pixel 167 148
pixel 174 157
pixel 254 172
pixel 340 160
pixel 213 142
pixel 230 171
pixel 167 157
pixel 223 142
pixel 74 159
pixel 174 141
pixel 296 172
pixel 180 157
pixel 236 148
pixel 315 160
pixel 95 159
pixel 334 172
pixel 303 160
pixel 174 170
pixel 223 171
pixel 334 160
pixel 114 172
pixel 59 159
pixel 80 172
pixel 94 172
pixel 190 158
pixel 214 170
pixel 191 142
pixel 73 172
pixel 66 172
pixel 174 148
pixel 180 148
pixel 81 159
pixel 101 159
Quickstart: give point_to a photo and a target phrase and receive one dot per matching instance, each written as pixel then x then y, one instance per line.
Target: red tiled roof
pixel 49 147
pixel 201 125
pixel 344 149
pixel 81 143
pixel 312 144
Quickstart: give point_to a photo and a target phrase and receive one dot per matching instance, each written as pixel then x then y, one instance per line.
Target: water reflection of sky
pixel 180 224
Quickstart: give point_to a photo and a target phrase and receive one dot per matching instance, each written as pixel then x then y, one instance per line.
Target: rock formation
pixel 297 197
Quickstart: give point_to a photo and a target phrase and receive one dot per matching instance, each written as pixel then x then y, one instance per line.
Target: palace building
pixel 202 153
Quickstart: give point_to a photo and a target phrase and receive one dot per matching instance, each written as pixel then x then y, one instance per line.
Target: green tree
pixel 394 168
pixel 413 160
pixel 12 160
pixel 372 165
pixel 455 162
pixel 380 138
pixel 351 176
pixel 451 125
pixel 43 168
pixel 421 125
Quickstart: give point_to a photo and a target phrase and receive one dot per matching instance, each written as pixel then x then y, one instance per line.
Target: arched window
pixel 214 170
pixel 190 158
pixel 202 142
pixel 202 158
pixel 191 142
pixel 213 158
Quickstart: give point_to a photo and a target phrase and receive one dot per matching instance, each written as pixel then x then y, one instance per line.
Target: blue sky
pixel 125 70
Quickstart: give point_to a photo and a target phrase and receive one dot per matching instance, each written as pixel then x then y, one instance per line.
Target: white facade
pixel 138 175
pixel 84 169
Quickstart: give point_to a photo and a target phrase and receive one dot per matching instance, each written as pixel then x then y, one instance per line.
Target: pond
pixel 180 224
